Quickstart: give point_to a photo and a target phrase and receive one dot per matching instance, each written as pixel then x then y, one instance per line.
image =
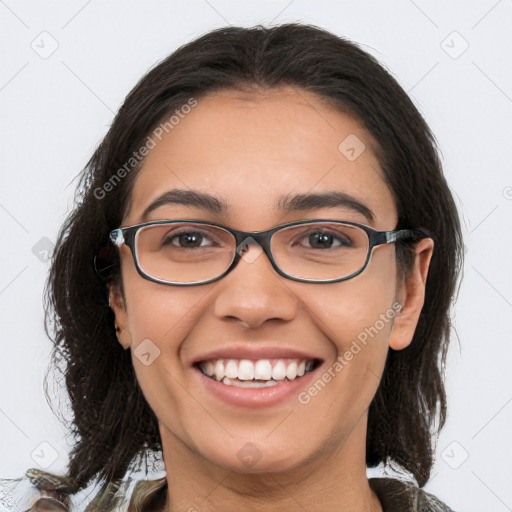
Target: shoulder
pixel 34 491
pixel 40 491
pixel 400 496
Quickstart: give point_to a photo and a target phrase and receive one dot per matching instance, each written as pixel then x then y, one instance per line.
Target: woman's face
pixel 251 151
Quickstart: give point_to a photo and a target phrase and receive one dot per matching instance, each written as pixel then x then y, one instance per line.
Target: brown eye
pixel 327 240
pixel 189 239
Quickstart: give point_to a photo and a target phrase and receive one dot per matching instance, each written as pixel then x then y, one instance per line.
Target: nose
pixel 254 293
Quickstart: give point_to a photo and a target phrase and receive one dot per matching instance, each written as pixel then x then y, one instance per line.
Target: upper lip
pixel 241 351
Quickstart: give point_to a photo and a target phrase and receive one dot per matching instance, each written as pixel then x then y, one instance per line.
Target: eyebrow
pixel 330 199
pixel 286 204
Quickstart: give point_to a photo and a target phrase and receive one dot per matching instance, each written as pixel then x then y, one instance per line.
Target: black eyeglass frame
pixel 126 236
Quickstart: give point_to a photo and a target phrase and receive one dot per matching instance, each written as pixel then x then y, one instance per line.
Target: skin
pixel 250 148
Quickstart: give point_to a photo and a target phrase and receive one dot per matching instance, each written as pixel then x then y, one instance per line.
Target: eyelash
pixel 344 242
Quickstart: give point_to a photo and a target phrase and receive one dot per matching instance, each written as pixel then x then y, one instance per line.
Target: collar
pixel 150 495
pixel 394 495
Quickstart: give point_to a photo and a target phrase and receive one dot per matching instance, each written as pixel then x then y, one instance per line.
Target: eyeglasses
pixel 193 252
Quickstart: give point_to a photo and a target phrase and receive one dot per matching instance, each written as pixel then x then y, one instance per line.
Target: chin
pixel 253 457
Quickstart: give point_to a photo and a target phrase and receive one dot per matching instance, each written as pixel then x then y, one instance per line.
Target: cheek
pixel 163 314
pixel 356 317
pixel 348 307
pixel 159 319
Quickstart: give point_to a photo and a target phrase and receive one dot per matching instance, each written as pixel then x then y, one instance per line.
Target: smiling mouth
pixel 248 373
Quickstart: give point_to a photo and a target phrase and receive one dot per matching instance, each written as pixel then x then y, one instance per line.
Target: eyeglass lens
pixel 188 252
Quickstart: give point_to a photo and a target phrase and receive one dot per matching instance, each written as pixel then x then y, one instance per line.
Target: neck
pixel 330 480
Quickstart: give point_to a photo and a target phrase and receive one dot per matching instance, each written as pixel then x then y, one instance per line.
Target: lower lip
pixel 255 397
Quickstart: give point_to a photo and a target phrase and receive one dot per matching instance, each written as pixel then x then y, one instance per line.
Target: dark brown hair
pixel 113 423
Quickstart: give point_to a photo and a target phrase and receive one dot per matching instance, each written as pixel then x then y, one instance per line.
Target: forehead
pixel 252 148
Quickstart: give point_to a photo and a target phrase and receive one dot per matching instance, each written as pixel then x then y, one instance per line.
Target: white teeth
pixel 234 371
pixel 245 370
pixel 231 369
pixel 218 370
pixel 263 370
pixel 208 368
pixel 279 371
pixel 291 371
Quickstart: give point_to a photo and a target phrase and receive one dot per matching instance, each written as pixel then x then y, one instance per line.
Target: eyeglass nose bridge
pixel 245 238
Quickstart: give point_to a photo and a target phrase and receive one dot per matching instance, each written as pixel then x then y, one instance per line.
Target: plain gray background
pixel 67 66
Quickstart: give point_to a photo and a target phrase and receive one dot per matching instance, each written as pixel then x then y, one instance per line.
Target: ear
pixel 118 306
pixel 411 294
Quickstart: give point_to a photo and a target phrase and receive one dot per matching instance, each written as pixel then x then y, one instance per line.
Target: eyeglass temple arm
pixel 405 235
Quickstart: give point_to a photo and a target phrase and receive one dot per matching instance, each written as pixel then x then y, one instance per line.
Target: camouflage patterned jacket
pixel 38 491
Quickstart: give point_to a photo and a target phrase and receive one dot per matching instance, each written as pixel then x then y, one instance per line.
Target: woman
pixel 256 281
